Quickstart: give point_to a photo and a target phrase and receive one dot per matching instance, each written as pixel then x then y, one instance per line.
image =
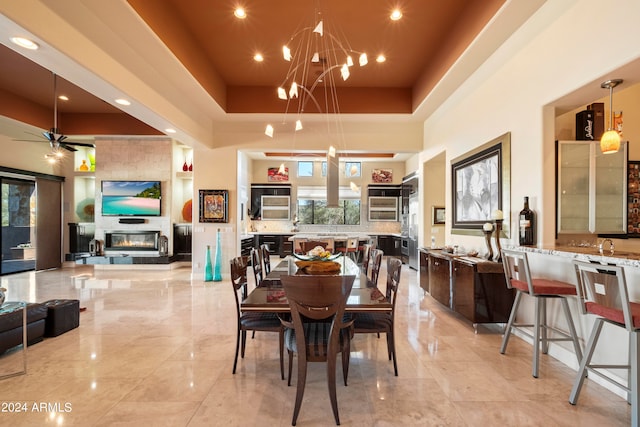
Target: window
pixel 352 169
pixel 305 169
pixel 324 168
pixel 316 212
pixel 312 206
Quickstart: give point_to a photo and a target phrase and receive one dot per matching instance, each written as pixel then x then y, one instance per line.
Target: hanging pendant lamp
pixel 610 141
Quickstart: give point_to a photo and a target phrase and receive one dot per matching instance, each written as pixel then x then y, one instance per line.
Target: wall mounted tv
pixel 131 198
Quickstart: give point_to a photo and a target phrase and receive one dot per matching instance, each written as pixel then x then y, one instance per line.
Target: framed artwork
pixel 382 176
pixel 214 205
pixel 437 215
pixel 274 175
pixel 480 183
pixel 633 199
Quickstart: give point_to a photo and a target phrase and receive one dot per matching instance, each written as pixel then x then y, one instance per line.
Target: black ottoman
pixel 62 316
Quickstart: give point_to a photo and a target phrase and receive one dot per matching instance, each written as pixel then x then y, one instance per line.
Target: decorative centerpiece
pixel 317 254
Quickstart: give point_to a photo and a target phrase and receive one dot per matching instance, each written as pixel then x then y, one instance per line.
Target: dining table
pixel 270 296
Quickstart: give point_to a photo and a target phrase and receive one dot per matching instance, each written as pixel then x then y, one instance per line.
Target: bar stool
pixel 350 248
pixel 602 291
pixel 518 277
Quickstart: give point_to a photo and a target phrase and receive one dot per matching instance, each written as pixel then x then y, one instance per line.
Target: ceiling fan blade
pixel 68 148
pixel 49 136
pixel 28 140
pixel 80 144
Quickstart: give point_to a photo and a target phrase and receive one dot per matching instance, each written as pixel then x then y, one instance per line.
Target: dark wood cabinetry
pixel 440 278
pixel 80 234
pixel 390 245
pixel 384 190
pixel 259 190
pixel 472 287
pixel 424 269
pixel 182 240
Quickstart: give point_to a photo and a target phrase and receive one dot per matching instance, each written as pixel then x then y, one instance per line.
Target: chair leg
pixel 539 304
pixel 235 360
pixel 392 346
pixel 244 343
pixel 586 361
pixel 512 318
pixel 634 378
pixel 345 365
pixel 331 382
pixel 302 379
pixel 543 326
pixel 290 367
pixel 572 329
pixel 281 343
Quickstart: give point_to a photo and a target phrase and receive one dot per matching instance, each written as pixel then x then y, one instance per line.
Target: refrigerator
pixel 413 231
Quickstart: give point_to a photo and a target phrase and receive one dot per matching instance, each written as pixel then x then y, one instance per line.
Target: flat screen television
pixel 131 198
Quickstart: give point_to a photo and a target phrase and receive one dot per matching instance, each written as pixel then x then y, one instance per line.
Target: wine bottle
pixel 527 225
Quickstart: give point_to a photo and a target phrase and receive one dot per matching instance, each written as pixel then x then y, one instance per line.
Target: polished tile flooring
pixel 156 348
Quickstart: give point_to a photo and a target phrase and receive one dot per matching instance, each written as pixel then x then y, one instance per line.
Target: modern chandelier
pixel 317 60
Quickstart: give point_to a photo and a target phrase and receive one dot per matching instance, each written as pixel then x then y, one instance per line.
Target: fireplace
pixel 131 240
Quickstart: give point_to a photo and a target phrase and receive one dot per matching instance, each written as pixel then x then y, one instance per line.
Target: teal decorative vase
pixel 217 265
pixel 208 269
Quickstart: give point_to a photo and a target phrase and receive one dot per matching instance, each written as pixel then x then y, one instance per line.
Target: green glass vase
pixel 217 265
pixel 208 268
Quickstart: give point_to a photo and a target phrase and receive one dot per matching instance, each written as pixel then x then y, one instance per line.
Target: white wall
pixel 557 51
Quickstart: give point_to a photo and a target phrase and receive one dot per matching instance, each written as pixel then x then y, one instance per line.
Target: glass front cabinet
pixel 592 188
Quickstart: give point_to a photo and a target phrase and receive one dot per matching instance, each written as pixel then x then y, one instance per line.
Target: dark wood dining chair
pixel 266 258
pixel 383 322
pixel 366 257
pixel 318 330
pixel 256 264
pixel 376 262
pixel 251 321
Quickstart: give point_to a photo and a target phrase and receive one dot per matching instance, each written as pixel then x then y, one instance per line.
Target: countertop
pixel 323 234
pixel 623 258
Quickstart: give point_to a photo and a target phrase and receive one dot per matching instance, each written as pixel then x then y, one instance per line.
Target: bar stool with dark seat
pixel 602 291
pixel 518 277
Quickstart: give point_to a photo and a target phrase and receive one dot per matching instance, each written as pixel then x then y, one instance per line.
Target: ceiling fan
pixel 56 139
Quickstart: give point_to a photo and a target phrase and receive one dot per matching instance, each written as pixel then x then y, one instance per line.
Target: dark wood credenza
pixel 472 287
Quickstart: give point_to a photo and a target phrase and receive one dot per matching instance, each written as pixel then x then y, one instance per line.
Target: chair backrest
pixel 516 269
pixel 297 245
pixel 317 298
pixel 352 243
pixel 331 244
pixel 310 244
pixel 366 257
pixel 394 267
pixel 239 279
pixel 256 263
pixel 266 258
pixel 602 290
pixel 376 262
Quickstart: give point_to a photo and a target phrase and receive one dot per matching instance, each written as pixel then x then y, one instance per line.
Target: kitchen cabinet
pixel 382 208
pixel 388 190
pixel 472 287
pixel 259 190
pixel 182 237
pixel 80 234
pixel 440 278
pixel 276 208
pixel 424 270
pixel 390 245
pixel 592 188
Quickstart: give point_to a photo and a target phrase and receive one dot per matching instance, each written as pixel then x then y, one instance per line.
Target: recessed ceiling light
pixel 240 13
pixel 122 101
pixel 396 14
pixel 63 98
pixel 25 43
pixel 381 58
pixel 169 130
pixel 258 57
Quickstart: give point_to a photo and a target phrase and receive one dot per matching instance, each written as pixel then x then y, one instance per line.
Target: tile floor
pixel 156 348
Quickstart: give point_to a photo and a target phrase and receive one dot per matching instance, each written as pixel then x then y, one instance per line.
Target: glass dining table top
pixel 364 296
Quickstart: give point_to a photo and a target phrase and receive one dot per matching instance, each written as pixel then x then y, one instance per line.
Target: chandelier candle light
pixel 314 53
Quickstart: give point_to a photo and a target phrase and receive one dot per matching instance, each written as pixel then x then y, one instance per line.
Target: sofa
pixel 11 325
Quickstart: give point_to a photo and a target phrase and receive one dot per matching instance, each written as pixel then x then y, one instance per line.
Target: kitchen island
pixel 555 262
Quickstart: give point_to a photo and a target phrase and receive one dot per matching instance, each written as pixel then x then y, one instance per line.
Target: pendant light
pixel 610 141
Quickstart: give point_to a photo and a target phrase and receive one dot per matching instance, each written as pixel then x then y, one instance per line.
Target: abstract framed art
pixel 214 205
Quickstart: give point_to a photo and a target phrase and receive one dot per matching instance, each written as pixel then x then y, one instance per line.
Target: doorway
pixel 18 219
